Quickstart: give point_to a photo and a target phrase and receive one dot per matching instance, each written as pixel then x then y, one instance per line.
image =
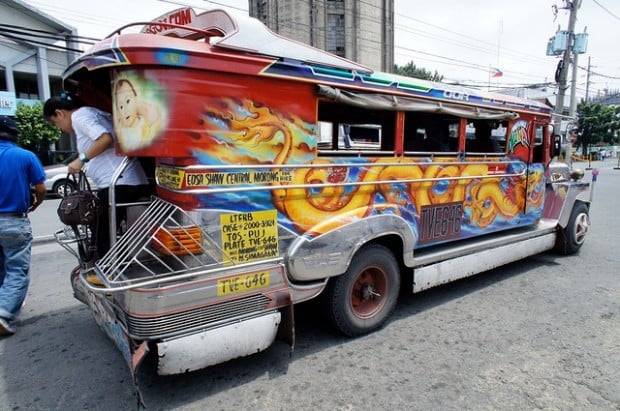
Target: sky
pixel 463 40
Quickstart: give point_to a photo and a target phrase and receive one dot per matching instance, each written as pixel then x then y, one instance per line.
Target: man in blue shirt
pixel 19 170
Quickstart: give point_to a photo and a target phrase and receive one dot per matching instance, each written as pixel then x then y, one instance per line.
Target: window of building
pixel 335 4
pixel 335 35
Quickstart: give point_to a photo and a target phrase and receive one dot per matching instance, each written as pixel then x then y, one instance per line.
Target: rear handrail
pixel 112 198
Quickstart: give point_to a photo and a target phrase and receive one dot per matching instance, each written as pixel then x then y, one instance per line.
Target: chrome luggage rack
pixel 165 244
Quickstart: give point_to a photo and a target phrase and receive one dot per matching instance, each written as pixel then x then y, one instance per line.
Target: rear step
pixel 441 265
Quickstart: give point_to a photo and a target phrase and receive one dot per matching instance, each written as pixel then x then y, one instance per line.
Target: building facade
pixel 35 49
pixel 362 31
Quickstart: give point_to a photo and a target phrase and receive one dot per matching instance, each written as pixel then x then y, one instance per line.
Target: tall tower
pixel 359 31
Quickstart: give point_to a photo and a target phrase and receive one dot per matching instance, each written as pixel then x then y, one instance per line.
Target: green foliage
pixel 598 124
pixel 411 70
pixel 34 131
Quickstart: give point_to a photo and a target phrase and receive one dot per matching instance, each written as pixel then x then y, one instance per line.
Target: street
pixel 542 333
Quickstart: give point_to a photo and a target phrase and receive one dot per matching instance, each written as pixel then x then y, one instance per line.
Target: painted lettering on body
pixel 440 222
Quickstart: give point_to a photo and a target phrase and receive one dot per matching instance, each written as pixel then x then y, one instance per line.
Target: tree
pixel 35 134
pixel 597 123
pixel 411 70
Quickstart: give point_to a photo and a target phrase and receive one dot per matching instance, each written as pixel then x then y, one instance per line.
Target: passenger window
pixel 349 136
pixel 498 137
pixel 485 136
pixel 538 143
pixel 431 133
pixel 360 131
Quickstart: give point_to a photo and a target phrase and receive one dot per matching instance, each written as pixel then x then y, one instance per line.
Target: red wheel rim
pixel 369 292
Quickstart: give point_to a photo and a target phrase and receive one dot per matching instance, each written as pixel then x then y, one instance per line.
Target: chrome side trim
pixel 474 245
pixel 467 265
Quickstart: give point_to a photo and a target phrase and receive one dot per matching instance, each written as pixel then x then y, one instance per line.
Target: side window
pixel 361 136
pixel 498 137
pixel 344 128
pixel 325 134
pixel 539 134
pixel 345 136
pixel 431 133
pixel 486 136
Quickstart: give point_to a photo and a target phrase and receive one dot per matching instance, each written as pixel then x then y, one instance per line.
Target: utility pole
pixel 563 75
pixel 573 88
pixel 588 80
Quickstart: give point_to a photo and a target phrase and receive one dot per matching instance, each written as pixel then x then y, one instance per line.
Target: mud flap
pixel 286 331
pixel 215 346
pixel 132 351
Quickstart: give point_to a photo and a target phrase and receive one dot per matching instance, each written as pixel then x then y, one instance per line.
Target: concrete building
pixel 362 31
pixel 35 48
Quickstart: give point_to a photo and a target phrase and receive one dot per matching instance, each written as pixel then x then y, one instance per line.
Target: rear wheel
pixel 360 300
pixel 573 236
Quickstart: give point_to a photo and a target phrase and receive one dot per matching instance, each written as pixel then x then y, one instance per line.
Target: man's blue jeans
pixel 15 252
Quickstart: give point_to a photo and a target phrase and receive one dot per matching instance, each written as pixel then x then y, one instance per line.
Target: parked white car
pixel 56 178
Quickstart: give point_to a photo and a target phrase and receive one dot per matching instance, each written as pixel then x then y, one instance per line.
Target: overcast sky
pixel 460 39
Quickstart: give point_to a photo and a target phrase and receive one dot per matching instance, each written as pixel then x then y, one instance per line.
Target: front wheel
pixel 64 188
pixel 572 237
pixel 360 300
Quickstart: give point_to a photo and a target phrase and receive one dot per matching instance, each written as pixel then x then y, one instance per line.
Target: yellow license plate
pixel 243 283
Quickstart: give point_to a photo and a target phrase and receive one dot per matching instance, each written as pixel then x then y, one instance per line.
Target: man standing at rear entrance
pixel 19 170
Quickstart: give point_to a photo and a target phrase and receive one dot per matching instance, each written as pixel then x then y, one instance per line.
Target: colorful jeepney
pixel 260 201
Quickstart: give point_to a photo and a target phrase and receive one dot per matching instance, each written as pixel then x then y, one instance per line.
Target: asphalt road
pixel 543 333
pixel 44 220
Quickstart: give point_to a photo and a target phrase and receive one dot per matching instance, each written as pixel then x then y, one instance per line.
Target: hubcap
pixel 582 223
pixel 368 293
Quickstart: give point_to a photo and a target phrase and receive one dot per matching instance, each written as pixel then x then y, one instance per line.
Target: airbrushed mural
pixel 276 151
pixel 139 111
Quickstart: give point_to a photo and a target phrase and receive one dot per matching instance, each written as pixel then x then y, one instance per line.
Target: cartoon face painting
pixel 127 103
pixel 139 119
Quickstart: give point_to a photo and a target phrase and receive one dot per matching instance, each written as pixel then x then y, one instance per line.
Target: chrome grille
pixel 167 325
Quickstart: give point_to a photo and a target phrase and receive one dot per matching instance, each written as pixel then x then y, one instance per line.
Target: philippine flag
pixel 495 72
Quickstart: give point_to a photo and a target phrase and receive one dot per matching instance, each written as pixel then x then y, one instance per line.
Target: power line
pixel 373 44
pixel 43 34
pixel 606 9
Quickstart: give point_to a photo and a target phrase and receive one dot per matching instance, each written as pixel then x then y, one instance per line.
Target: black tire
pixel 573 236
pixel 59 188
pixel 360 300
